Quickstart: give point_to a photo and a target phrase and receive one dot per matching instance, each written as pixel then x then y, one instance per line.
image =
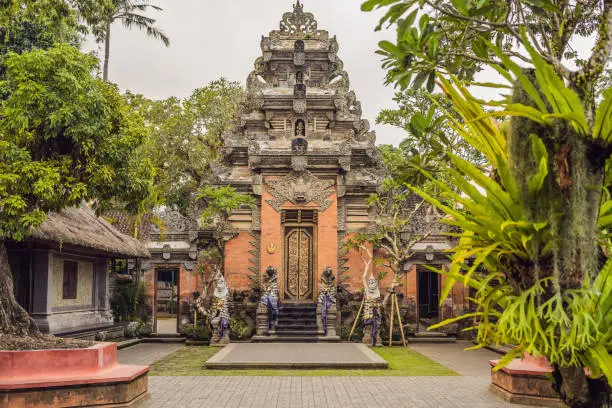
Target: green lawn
pixel 403 362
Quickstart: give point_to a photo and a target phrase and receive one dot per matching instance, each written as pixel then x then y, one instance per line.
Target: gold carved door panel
pixel 298 263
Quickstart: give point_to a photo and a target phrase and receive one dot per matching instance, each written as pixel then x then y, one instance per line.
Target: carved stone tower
pixel 300 146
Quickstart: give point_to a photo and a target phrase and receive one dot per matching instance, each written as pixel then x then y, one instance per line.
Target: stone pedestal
pixel 261 318
pixel 215 341
pixel 367 336
pixel 525 381
pixel 332 314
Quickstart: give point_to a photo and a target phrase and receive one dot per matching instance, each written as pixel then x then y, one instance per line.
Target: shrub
pixel 357 334
pixel 144 329
pixel 128 302
pixel 200 332
pixel 239 329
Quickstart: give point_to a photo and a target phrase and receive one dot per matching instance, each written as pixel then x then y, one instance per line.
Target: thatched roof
pixel 81 227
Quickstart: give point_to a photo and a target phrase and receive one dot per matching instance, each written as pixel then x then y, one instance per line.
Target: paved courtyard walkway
pixel 455 357
pixel 146 353
pixel 469 390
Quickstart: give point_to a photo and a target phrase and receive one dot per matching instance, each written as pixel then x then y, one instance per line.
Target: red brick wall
pixel 271 237
pixel 327 236
pixel 237 262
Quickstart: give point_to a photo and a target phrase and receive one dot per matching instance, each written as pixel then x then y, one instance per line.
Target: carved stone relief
pixel 345 163
pixel 298 22
pixel 300 188
pixel 175 222
pixel 257 184
pixel 300 106
pixel 341 214
pixel 299 163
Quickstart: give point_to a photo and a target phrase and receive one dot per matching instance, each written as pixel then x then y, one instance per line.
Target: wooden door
pixel 299 244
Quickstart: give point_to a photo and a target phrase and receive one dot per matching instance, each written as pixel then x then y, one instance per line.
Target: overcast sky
pixel 211 39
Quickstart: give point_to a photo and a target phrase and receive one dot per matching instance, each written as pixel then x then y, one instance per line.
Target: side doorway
pixel 428 284
pixel 167 294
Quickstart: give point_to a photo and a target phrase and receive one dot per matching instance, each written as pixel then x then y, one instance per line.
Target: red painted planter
pixel 526 381
pixel 69 377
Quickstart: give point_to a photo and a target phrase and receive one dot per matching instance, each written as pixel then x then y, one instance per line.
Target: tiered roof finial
pixel 298 22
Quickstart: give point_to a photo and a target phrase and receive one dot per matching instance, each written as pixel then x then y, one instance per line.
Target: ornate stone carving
pixel 257 184
pixel 300 106
pixel 298 22
pixel 254 161
pixel 256 218
pixel 174 222
pixel 333 46
pixel 265 43
pixel 299 59
pixel 345 163
pixel 341 214
pixel 299 146
pixel 299 163
pixel 300 188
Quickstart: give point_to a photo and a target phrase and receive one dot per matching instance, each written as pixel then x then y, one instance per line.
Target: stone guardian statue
pixel 219 314
pixel 269 299
pixel 327 300
pixel 372 317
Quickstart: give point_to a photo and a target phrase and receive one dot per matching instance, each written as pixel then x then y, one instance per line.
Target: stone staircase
pixel 425 336
pixel 297 323
pixel 164 338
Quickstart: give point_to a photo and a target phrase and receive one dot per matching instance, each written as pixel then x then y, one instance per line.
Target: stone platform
pixel 242 356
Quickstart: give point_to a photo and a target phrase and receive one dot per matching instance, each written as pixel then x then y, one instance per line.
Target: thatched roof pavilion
pixel 79 226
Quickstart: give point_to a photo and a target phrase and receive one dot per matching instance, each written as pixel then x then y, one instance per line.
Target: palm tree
pixel 127 12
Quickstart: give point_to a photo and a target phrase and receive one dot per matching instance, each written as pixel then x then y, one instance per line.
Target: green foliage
pixel 65 136
pixel 436 36
pixel 128 301
pixel 528 296
pixel 199 332
pixel 427 119
pixel 571 328
pixel 239 329
pixel 144 329
pixel 186 137
pixel 28 25
pixel 131 15
pixel 357 334
pixel 221 201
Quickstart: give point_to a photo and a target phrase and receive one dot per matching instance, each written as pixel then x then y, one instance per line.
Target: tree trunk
pixel 574 388
pixel 106 51
pixel 13 318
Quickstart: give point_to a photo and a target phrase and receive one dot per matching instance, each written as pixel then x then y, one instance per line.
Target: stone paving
pixel 469 390
pixel 146 353
pixel 455 357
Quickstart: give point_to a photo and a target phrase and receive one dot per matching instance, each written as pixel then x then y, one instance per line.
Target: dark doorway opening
pixel 429 295
pixel 167 293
